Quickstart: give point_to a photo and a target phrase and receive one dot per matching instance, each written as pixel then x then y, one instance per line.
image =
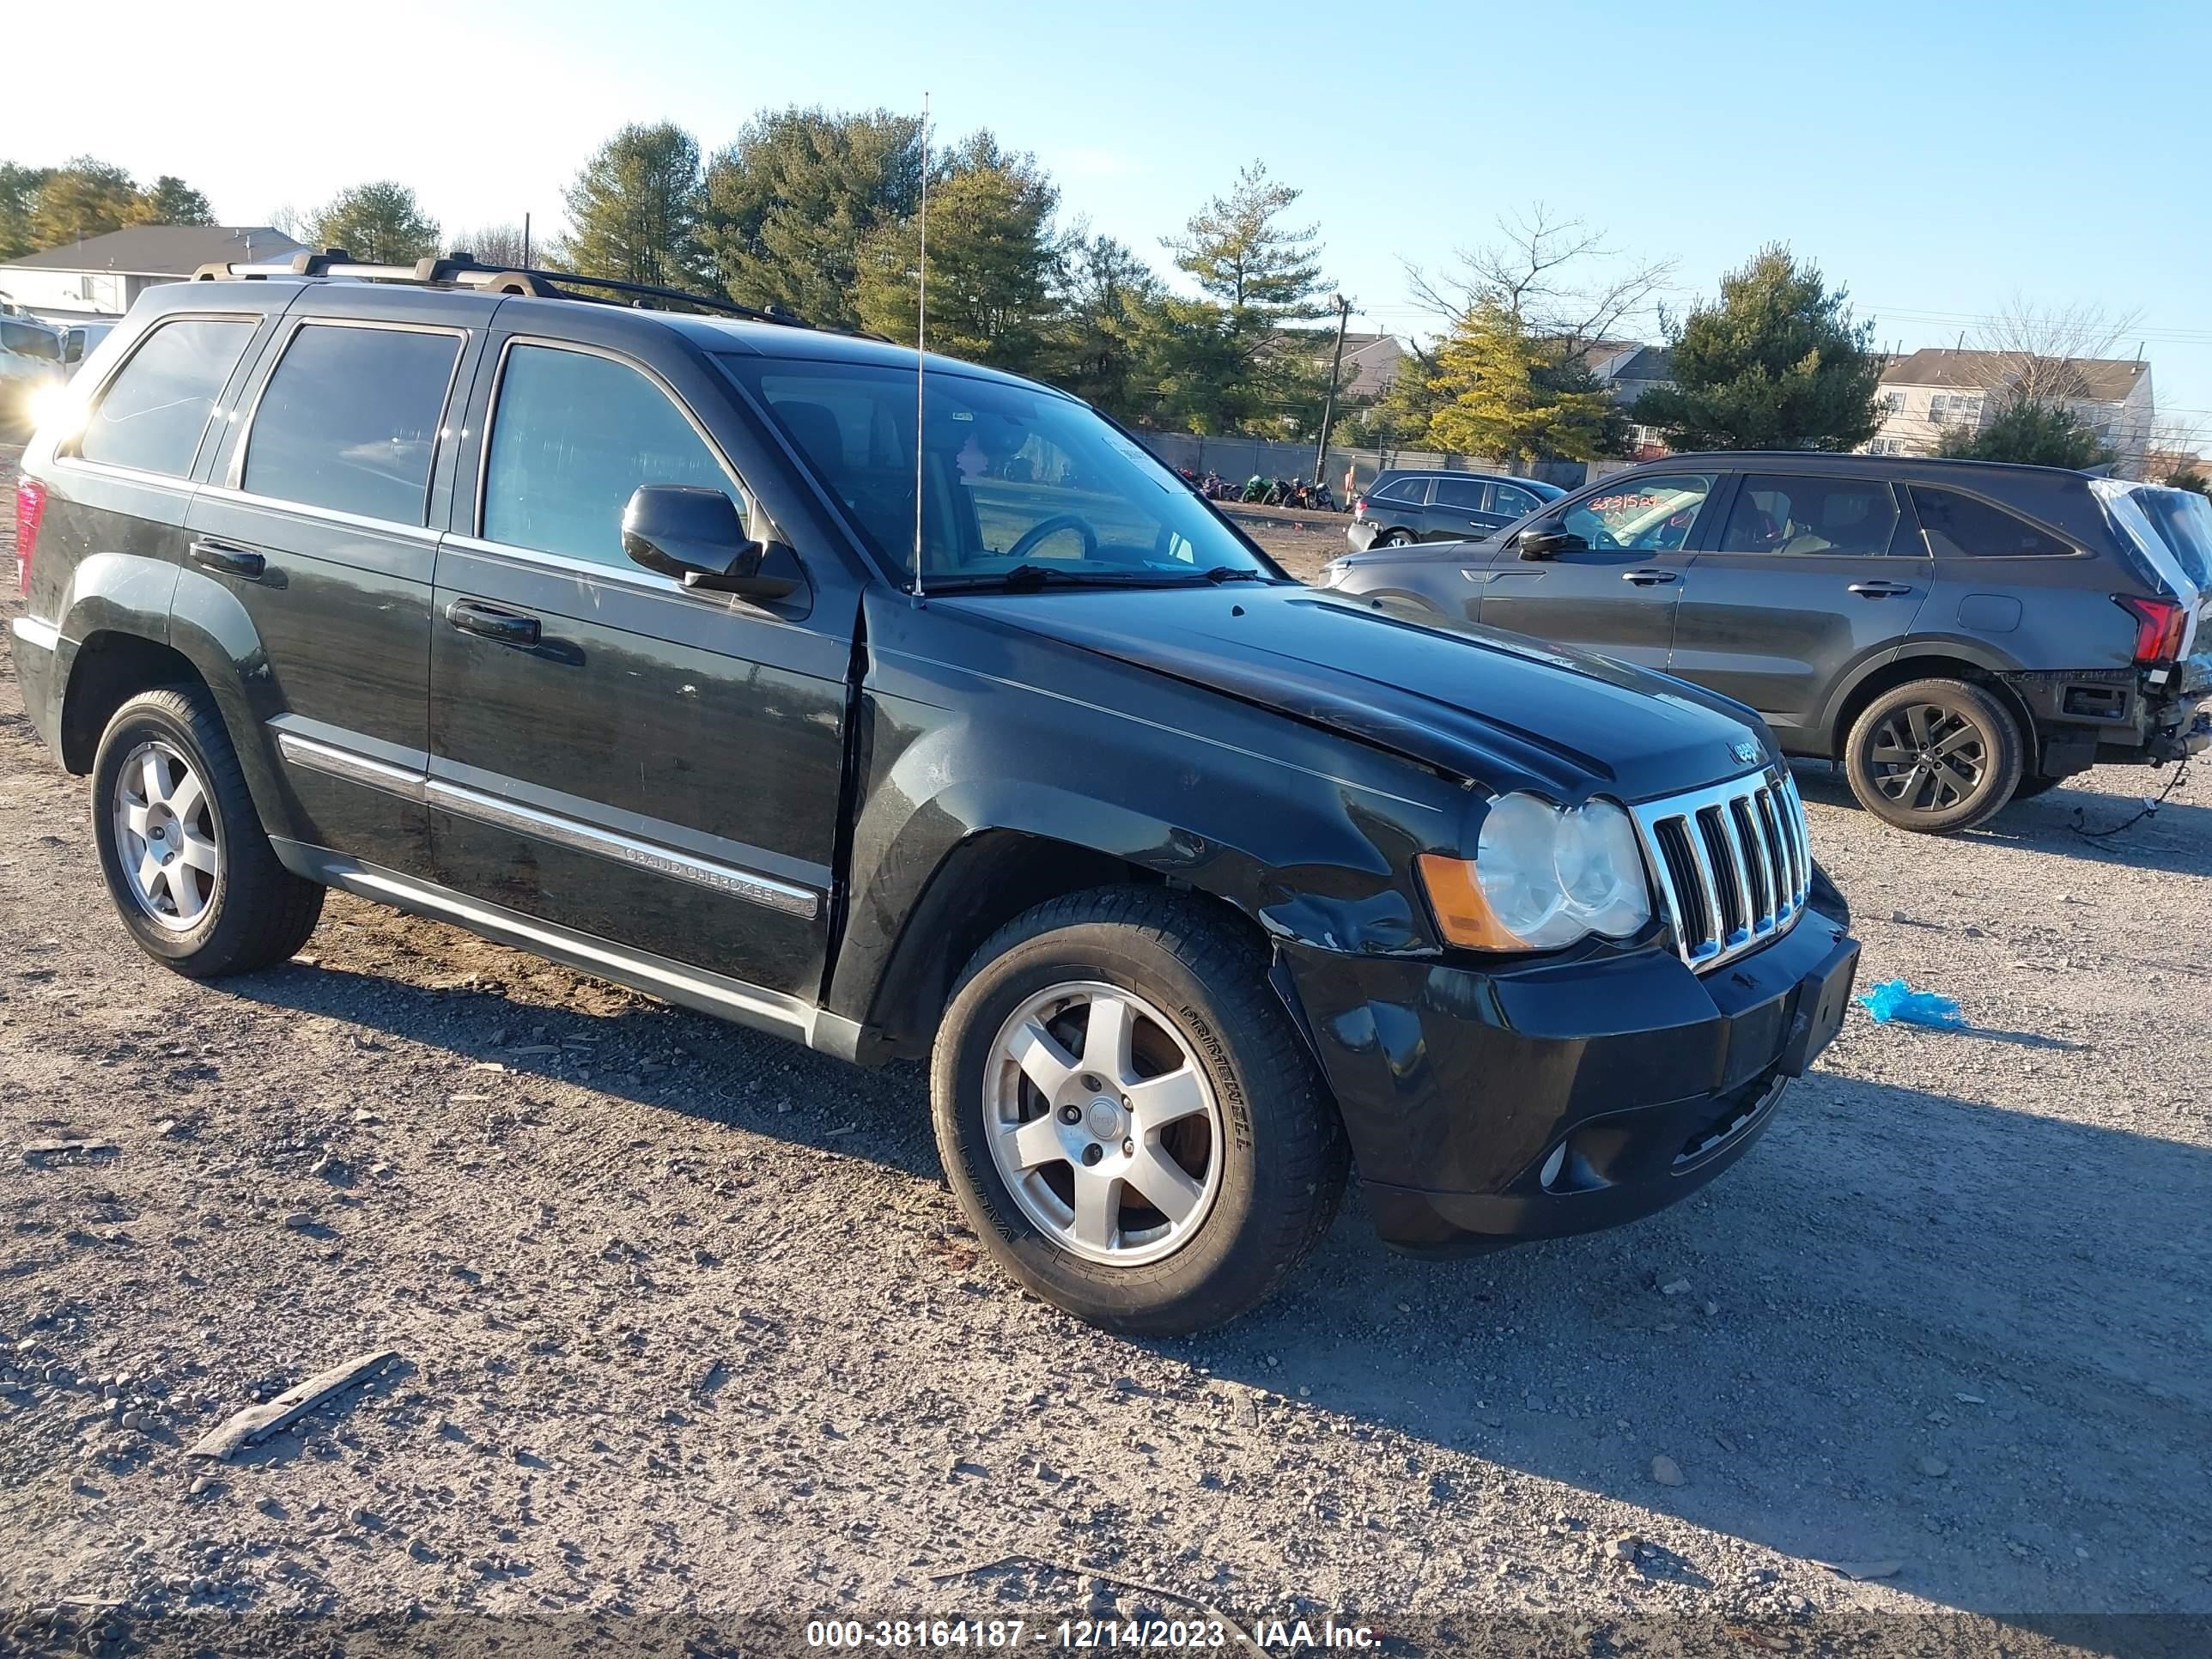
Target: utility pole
pixel 1329 408
pixel 525 242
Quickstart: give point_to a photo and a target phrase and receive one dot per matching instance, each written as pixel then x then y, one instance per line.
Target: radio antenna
pixel 920 339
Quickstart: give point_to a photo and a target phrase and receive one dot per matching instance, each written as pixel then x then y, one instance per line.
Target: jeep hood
pixel 1499 709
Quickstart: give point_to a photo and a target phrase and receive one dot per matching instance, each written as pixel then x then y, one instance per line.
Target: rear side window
pixel 1460 492
pixel 1411 492
pixel 350 420
pixel 573 436
pixel 1959 526
pixel 152 414
pixel 27 340
pixel 1785 514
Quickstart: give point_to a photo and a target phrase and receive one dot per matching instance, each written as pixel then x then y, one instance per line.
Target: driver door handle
pixel 489 622
pixel 1648 578
pixel 1878 590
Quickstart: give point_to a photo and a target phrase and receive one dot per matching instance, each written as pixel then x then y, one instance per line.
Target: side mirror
pixel 692 534
pixel 1549 541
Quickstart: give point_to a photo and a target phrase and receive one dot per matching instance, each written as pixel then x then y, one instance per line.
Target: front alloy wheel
pixel 1102 1125
pixel 1128 1117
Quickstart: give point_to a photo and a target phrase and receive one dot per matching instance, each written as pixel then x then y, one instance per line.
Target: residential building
pixel 1629 370
pixel 102 275
pixel 1928 394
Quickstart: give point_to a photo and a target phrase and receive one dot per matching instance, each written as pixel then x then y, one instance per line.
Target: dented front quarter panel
pixel 971 725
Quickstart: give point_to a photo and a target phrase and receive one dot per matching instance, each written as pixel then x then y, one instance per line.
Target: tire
pixel 1262 1156
pixel 1394 539
pixel 219 901
pixel 1937 756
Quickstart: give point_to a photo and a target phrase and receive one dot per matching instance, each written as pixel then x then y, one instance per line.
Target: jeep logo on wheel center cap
pixel 1103 1119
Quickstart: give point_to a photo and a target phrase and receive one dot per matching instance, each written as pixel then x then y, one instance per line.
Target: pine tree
pixel 1776 364
pixel 635 209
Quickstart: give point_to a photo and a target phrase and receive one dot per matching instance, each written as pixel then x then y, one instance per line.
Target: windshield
pixel 1017 483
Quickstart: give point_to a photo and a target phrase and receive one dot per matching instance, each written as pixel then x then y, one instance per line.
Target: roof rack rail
pixel 464 270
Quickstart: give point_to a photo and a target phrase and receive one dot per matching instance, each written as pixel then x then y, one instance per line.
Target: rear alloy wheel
pixel 1394 539
pixel 1126 1116
pixel 1936 756
pixel 185 858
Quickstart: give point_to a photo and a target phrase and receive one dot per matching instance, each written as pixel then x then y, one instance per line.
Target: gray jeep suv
pixel 1956 635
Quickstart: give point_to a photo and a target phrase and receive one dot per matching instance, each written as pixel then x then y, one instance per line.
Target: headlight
pixel 1333 572
pixel 1542 877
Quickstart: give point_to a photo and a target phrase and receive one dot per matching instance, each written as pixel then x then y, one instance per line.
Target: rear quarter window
pixel 1958 527
pixel 1406 492
pixel 153 412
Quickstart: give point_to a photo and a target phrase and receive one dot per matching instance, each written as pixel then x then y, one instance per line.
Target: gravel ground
pixel 686 1324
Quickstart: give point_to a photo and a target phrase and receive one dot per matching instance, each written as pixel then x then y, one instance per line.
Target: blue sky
pixel 1940 158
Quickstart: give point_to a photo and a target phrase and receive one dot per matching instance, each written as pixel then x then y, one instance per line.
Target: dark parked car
pixel 598 630
pixel 1956 635
pixel 1399 508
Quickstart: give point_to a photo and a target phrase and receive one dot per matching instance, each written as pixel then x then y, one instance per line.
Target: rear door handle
pixel 1878 590
pixel 489 622
pixel 230 560
pixel 1647 578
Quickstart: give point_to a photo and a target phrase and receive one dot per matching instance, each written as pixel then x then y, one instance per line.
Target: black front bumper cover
pixel 1459 1086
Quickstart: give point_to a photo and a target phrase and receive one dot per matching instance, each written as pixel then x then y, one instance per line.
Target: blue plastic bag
pixel 1895 1000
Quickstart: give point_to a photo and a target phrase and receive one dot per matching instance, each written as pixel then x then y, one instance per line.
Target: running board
pixel 696 989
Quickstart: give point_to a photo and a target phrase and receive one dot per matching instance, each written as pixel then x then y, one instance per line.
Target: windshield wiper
pixel 1028 578
pixel 1235 572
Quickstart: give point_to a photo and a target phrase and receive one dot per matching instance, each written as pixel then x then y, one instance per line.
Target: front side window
pixel 1466 493
pixel 350 420
pixel 1647 515
pixel 152 414
pixel 573 437
pixel 1783 514
pixel 1959 527
pixel 1011 476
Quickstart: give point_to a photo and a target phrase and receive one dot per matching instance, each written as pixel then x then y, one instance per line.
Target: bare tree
pixel 2040 349
pixel 1556 278
pixel 494 245
pixel 290 220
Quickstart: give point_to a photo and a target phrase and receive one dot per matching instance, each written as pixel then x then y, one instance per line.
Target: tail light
pixel 2160 626
pixel 30 507
pixel 1359 508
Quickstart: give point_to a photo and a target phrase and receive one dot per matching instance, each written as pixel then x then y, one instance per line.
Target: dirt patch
pixel 688 1325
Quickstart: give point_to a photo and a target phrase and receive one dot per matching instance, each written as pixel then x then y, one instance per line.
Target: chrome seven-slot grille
pixel 1731 865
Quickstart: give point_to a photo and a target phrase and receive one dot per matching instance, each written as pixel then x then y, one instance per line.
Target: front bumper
pixel 1489 1107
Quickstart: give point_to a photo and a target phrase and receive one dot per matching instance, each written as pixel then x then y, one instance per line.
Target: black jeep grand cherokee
pixel 598 630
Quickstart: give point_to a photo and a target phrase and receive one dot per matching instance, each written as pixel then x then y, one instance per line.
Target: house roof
pixel 1650 363
pixel 162 250
pixel 2098 379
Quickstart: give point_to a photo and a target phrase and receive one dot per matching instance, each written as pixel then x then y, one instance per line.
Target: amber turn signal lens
pixel 1463 915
